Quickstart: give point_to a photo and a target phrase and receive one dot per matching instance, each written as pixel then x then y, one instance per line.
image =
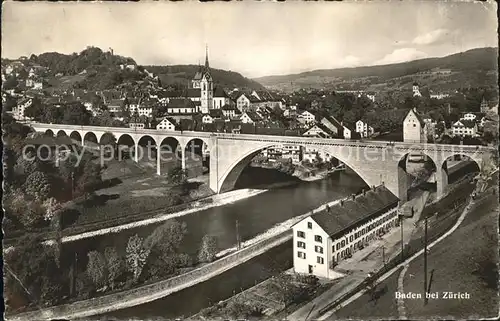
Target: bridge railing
pixel 278 139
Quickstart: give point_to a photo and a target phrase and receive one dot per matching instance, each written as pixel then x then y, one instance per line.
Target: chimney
pixel 383 183
pixel 353 196
pixel 328 208
pixel 342 203
pixel 364 192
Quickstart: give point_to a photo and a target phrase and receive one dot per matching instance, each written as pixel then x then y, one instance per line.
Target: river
pixel 255 215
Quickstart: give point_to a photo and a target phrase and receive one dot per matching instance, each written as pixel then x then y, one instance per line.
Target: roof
pixel 342 217
pixel 220 92
pixel 229 107
pixel 216 113
pixel 181 103
pixel 253 116
pixel 466 123
pixel 333 121
pixel 417 115
pixel 323 128
pixel 193 92
pixel 115 102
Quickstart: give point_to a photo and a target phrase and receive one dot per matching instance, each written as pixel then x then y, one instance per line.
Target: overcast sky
pixel 253 38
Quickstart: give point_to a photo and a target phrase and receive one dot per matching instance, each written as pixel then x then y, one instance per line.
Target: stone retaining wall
pixel 150 292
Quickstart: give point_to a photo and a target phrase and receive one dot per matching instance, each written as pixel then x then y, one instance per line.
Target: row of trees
pixel 34 188
pixel 154 257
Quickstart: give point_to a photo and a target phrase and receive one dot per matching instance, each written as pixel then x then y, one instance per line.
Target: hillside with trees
pixel 471 68
pixel 95 69
pixel 178 76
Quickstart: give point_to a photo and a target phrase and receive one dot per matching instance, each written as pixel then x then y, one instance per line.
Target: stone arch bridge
pixel 376 162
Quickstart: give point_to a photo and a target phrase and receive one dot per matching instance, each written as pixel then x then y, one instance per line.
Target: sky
pixel 253 38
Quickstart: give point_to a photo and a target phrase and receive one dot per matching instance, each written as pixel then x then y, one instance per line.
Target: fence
pixel 150 292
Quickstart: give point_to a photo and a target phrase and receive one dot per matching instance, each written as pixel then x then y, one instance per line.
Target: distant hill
pixel 181 75
pixel 474 67
pixel 90 58
pixel 93 68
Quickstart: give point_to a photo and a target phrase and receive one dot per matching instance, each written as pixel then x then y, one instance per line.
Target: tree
pixel 38 186
pixel 208 249
pixel 76 114
pixel 115 265
pixel 10 83
pixel 36 110
pixel 96 268
pixel 177 176
pixel 36 270
pixel 137 255
pixel 167 237
pixel 89 175
pixel 163 245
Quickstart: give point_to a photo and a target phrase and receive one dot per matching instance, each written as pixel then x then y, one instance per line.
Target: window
pixel 343 243
pixel 301 245
pixel 318 249
pixel 320 260
pixel 301 255
pixel 338 246
pixel 350 238
pixel 318 238
pixel 301 234
pixel 309 225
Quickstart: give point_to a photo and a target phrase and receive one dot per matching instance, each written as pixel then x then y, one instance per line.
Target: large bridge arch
pixel 425 165
pixel 49 132
pixel 231 172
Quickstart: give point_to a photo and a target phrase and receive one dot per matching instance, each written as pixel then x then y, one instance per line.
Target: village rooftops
pixel 348 213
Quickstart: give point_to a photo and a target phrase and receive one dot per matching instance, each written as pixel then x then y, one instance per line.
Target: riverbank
pixel 151 292
pixel 202 204
pixel 146 293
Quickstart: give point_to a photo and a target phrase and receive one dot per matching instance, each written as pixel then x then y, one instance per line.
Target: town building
pixel 230 111
pixel 292 152
pixel 363 129
pixel 136 125
pixel 468 116
pixel 307 117
pixel 414 130
pixel 438 95
pixel 325 238
pixel 116 105
pixel 333 124
pixel 166 124
pixel 416 90
pixel 182 107
pixel 250 117
pixel 319 130
pixel 464 128
pixel 18 112
pixel 221 98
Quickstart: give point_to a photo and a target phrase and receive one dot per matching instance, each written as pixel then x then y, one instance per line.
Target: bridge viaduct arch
pixel 375 162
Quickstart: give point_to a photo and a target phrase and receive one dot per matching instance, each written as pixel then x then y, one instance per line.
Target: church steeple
pixel 206 57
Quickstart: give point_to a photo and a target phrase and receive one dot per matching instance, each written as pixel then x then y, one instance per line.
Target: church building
pixel 204 83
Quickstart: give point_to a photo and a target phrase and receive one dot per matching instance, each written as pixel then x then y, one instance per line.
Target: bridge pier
pixel 158 163
pixel 136 154
pixel 183 159
pixel 441 181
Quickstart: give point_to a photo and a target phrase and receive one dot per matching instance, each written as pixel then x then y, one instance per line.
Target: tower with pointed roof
pixel 203 81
